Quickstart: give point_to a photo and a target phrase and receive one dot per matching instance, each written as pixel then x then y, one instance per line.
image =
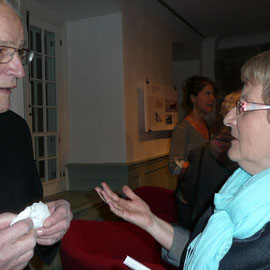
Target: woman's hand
pixel 132 209
pixel 136 211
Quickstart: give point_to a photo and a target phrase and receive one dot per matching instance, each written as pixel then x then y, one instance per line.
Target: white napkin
pixel 135 265
pixel 38 212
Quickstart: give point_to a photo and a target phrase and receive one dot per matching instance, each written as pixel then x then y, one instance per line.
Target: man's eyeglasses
pixel 250 106
pixel 7 53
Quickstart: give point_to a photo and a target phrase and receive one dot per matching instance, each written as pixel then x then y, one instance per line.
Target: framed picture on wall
pixel 160 107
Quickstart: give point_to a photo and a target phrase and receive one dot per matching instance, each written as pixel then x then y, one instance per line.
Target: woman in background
pixel 192 131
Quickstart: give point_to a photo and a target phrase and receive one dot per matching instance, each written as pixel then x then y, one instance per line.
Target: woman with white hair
pixel 235 234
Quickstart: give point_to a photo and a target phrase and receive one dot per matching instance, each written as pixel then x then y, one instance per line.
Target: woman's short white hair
pixel 257 71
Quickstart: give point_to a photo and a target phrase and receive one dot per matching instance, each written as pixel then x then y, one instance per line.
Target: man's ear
pixel 192 98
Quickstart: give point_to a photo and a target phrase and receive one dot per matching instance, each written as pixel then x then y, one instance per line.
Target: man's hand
pixel 17 242
pixel 56 225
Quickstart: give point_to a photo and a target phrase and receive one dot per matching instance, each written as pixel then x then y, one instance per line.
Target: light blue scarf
pixel 242 208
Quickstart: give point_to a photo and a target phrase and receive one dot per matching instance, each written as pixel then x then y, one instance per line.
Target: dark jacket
pixel 19 179
pixel 209 168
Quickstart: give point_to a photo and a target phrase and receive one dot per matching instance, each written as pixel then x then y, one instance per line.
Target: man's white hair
pixel 13 4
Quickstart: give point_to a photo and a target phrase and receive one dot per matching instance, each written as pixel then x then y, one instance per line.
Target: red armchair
pixel 104 245
pixel 161 201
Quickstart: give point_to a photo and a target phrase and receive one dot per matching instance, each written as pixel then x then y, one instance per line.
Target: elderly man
pixel 20 184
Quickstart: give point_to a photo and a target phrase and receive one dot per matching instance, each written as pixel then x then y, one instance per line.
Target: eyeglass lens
pixel 6 55
pixel 239 107
pixel 27 57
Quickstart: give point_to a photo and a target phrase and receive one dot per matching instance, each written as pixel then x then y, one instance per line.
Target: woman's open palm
pixel 133 209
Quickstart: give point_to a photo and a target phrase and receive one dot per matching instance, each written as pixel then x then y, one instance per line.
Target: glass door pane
pixel 44 102
pixel 36 93
pixel 51 94
pixel 49 43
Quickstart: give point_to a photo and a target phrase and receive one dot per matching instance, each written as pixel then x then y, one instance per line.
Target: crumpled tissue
pixel 38 212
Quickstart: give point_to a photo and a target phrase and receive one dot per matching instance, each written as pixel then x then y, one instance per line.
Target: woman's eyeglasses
pixel 250 106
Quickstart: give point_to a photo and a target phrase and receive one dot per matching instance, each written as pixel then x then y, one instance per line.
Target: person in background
pixel 20 183
pixel 209 168
pixel 235 233
pixel 192 131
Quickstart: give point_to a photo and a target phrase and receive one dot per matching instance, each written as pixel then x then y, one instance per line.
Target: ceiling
pixel 207 17
pixel 73 10
pixel 224 17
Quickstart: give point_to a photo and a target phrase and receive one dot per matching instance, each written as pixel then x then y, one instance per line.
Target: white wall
pixel 95 90
pixel 148 36
pixel 109 98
